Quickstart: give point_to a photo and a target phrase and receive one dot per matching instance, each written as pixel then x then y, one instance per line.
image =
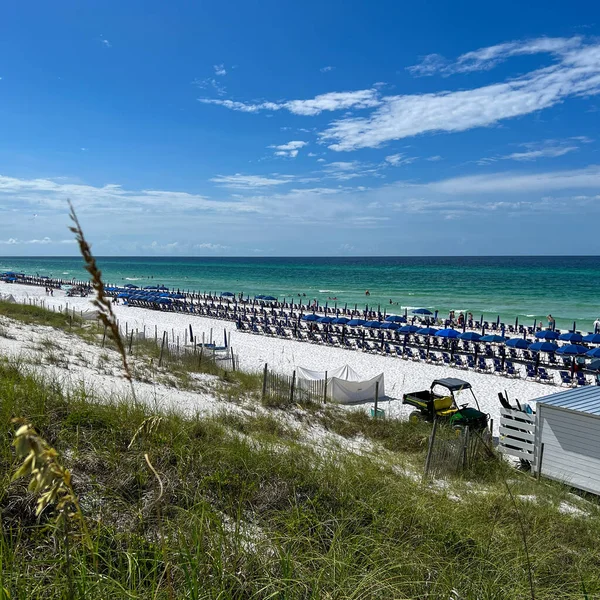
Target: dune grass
pixel 237 506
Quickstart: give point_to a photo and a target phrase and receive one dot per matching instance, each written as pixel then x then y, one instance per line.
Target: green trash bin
pixel 380 414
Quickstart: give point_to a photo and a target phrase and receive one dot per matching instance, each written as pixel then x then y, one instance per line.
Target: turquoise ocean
pixel 525 287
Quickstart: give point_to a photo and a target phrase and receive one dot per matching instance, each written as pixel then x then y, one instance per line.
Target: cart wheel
pixel 458 429
pixel 416 416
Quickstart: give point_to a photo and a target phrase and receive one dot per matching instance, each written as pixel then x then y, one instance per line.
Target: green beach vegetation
pixel 249 504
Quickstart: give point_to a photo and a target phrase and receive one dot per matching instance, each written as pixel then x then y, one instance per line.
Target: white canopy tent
pixel 344 384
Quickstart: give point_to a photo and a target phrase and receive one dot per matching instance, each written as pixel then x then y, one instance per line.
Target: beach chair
pixel 446 359
pixel 510 369
pixel 434 357
pixel 581 379
pixel 458 362
pixel 482 365
pixel 498 366
pixel 530 370
pixel 408 354
pixel 422 355
pixel 471 362
pixel 566 379
pixel 544 376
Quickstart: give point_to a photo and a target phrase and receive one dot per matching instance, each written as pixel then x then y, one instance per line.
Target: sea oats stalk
pixel 101 301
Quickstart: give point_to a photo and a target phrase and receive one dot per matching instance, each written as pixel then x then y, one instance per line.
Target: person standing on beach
pixel 597 325
pixel 551 322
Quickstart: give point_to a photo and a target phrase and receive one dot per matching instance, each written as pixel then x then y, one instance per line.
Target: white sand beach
pixel 283 355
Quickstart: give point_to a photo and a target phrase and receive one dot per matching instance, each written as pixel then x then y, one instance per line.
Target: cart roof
pixel 453 384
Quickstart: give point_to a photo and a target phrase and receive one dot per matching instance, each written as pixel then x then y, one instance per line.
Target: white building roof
pixel 583 399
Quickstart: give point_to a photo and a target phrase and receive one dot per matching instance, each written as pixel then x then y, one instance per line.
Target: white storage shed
pixel 568 437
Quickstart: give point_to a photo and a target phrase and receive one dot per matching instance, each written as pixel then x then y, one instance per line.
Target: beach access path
pixel 284 355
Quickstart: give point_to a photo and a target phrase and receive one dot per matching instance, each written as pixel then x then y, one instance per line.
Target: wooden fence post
pixel 130 341
pixel 430 449
pixel 232 359
pixel 465 447
pixel 264 387
pixel 104 336
pixel 293 387
pixel 376 398
pixel 162 347
pixel 325 390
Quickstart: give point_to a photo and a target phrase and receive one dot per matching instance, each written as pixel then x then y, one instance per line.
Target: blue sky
pixel 312 128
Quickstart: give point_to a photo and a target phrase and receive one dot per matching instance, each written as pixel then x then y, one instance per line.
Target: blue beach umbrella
pixel 151 287
pixel 123 295
pixel 389 325
pixel 340 320
pixel 259 297
pixel 421 311
pixel 543 347
pixel 520 343
pixel 356 322
pixel 447 333
pixel 395 319
pixel 408 329
pixel 311 317
pixel 470 336
pixel 592 338
pixel 594 353
pixel 547 334
pixel 227 294
pixel 571 336
pixel 372 324
pixel 131 286
pixel 594 365
pixel 270 298
pixel 325 320
pixel 572 350
pixel 427 331
pixel 492 339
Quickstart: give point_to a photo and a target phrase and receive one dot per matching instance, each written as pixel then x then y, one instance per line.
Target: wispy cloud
pixel 220 70
pixel 487 58
pixel 105 43
pixel 326 69
pixel 290 149
pixel 434 158
pixel 331 101
pixel 576 74
pixel 534 150
pixel 397 160
pixel 210 83
pixel 43 241
pixel 249 182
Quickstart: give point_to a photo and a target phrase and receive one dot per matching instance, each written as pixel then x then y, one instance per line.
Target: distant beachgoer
pixel 367 293
pixel 597 325
pixel 551 322
pixel 391 301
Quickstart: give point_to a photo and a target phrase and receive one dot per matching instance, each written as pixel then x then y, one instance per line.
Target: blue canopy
pixel 123 295
pixel 592 338
pixel 259 297
pixel 325 320
pixel 594 353
pixel 408 329
pixel 395 319
pixel 448 333
pixel 340 320
pixel 547 334
pixel 151 287
pixel 270 298
pixel 227 294
pixel 471 336
pixel 594 365
pixel 372 324
pixel 311 317
pixel 131 286
pixel 355 322
pixel 427 331
pixel 571 336
pixel 520 343
pixel 543 347
pixel 492 339
pixel 572 350
pixel 421 311
pixel 389 325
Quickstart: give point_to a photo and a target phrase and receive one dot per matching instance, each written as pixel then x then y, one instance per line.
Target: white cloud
pixel 326 69
pixel 106 44
pixel 510 182
pixel 331 101
pixel 535 150
pixel 210 83
pixel 290 149
pixel 249 182
pixel 487 58
pixel 396 160
pixel 576 74
pixel 209 246
pixel 220 70
pixel 434 158
pixel 43 241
